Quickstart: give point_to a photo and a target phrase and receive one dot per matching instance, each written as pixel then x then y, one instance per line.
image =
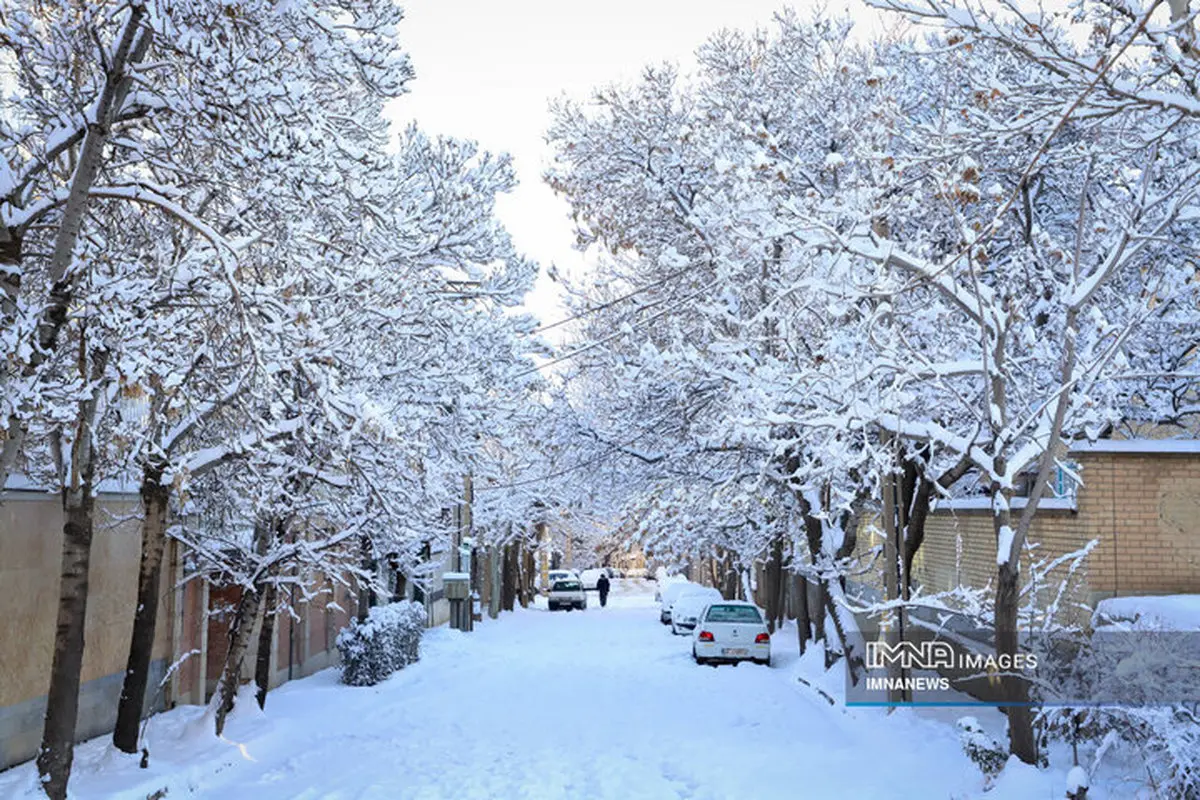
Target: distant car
pixel 731 631
pixel 567 594
pixel 668 596
pixel 559 575
pixel 690 605
pixel 591 576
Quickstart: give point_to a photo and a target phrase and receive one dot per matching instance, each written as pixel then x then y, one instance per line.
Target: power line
pixel 609 338
pixel 672 276
pixel 608 451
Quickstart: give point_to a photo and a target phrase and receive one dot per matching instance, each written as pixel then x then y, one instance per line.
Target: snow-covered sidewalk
pixel 600 704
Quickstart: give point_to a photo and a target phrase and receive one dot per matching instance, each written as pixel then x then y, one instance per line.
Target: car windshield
pixel 733 614
pixel 567 586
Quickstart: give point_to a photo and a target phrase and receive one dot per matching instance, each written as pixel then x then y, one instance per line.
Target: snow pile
pixel 388 640
pixel 1174 612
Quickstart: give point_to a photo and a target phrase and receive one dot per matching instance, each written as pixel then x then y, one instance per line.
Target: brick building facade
pixel 1140 499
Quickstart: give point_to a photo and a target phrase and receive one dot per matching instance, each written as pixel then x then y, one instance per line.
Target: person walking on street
pixel 602 586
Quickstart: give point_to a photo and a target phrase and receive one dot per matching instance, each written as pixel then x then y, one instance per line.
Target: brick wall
pixel 1144 508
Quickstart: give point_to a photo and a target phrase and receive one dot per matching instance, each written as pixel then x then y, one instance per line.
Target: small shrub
pixel 988 754
pixel 388 640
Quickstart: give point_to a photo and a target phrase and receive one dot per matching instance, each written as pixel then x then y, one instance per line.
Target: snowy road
pixel 600 704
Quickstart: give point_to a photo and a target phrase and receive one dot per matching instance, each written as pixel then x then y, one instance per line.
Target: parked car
pixel 668 595
pixel 663 582
pixel 689 606
pixel 732 631
pixel 591 576
pixel 560 575
pixel 567 594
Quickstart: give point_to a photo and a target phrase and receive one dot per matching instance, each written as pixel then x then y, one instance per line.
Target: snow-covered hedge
pixel 389 639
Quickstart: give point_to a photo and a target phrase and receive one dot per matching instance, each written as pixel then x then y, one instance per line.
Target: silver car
pixel 567 594
pixel 731 631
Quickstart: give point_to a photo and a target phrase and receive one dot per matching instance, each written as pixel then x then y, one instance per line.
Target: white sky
pixel 486 70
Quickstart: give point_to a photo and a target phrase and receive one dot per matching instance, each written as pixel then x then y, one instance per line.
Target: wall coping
pixel 985 504
pixel 1188 447
pixel 19 482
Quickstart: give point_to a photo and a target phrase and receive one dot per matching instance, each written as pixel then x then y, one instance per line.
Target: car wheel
pixel 698 659
pixel 766 662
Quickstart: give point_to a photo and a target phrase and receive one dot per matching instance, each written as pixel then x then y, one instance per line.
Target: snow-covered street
pixel 601 704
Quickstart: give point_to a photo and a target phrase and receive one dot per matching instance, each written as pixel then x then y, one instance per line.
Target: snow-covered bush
pixel 988 754
pixel 1077 783
pixel 388 640
pixel 1135 680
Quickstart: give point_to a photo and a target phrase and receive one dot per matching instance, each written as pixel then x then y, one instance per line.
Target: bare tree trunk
pixel 366 594
pixel 773 588
pixel 239 644
pixel 239 633
pixel 893 528
pixel 1013 689
pixel 495 570
pixel 803 619
pixel 76 479
pixel 819 610
pixel 527 572
pixel 508 591
pixel 483 564
pixel 62 701
pixel 266 637
pixel 731 580
pixel 155 507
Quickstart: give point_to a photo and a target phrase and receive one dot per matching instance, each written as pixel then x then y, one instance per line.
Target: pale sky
pixel 486 70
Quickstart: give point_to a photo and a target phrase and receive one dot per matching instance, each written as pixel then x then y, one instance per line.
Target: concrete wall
pixel 30 558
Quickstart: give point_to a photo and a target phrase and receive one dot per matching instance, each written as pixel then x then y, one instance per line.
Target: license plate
pixel 735 651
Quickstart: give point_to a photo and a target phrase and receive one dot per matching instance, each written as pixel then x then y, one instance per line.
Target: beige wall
pixel 30 563
pixel 1143 508
pixel 30 544
pixel 30 553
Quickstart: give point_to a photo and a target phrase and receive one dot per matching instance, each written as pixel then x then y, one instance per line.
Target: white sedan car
pixel 731 630
pixel 567 594
pixel 689 605
pixel 670 593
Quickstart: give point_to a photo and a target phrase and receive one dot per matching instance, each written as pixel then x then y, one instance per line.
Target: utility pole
pixel 457 584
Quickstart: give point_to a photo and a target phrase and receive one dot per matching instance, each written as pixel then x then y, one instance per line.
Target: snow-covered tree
pixel 841 269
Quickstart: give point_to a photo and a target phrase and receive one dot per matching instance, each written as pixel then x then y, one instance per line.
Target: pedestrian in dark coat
pixel 602 587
